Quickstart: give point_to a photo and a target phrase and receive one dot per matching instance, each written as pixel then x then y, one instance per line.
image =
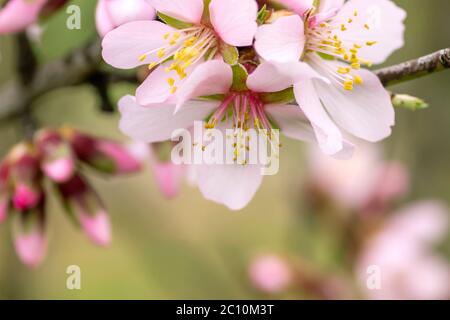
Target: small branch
pixel 414 69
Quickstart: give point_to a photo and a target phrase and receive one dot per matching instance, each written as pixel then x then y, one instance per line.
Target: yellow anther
pixel 350 20
pixel 171 82
pixel 173 90
pixel 343 70
pixel 358 79
pixel 353 50
pixel 357 46
pixel 143 57
pixel 366 26
pixel 348 84
pixel 346 57
pixel 355 13
pixel 371 43
pixel 356 65
pixel 343 27
pixel 161 53
pixel 152 65
pixel 166 36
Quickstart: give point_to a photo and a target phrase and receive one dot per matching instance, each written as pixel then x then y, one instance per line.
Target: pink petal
pixel 281 41
pixel 123 11
pixel 156 123
pixel 124 161
pixel 298 6
pixel 103 20
pixel 386 22
pixel 184 10
pixel 273 76
pixel 365 112
pixel 97 227
pixel 17 15
pixel 212 77
pixel 234 20
pixel 31 248
pixel 60 170
pixel 123 47
pixel 294 124
pixel 25 197
pixel 327 5
pixel 168 177
pixel 231 185
pixel 328 135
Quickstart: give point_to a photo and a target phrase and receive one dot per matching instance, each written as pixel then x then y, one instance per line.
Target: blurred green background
pixel 190 247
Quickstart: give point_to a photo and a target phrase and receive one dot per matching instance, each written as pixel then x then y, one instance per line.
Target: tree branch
pixel 414 69
pixel 82 66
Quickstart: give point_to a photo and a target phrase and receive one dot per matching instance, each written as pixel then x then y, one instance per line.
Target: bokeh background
pixel 190 248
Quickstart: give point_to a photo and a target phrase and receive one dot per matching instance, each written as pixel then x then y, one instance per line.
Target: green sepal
pixel 174 22
pixel 263 15
pixel 230 54
pixel 280 97
pixel 240 76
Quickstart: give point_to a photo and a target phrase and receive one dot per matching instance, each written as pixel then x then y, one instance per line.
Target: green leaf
pixel 230 54
pixel 285 96
pixel 408 102
pixel 263 15
pixel 174 22
pixel 240 76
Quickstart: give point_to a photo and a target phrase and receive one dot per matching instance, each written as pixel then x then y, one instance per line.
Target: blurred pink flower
pixel 17 15
pixel 270 274
pixel 402 250
pixel 113 13
pixel 336 39
pixel 358 183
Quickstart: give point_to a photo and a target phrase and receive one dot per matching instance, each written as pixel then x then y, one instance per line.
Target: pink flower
pixel 402 251
pixel 198 38
pixel 231 185
pixel 358 183
pixel 270 274
pixel 336 40
pixel 17 15
pixel 96 225
pixel 113 13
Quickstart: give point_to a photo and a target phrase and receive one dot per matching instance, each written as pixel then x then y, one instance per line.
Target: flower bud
pixel 26 177
pixel 17 15
pixel 270 274
pixel 101 154
pixel 87 208
pixel 57 159
pixel 29 236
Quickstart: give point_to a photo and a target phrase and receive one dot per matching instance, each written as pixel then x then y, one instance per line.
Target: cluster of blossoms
pixel 238 65
pixel 57 156
pixel 394 254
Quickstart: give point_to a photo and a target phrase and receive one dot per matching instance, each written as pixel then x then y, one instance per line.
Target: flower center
pixel 243 111
pixel 183 48
pixel 330 39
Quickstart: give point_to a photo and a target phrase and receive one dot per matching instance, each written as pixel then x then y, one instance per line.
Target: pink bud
pixel 270 274
pixel 122 158
pixel 97 227
pixel 17 15
pixel 31 248
pixel 111 14
pixel 4 204
pixel 25 197
pixel 59 170
pixel 168 177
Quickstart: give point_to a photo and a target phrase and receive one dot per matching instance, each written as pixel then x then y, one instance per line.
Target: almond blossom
pixel 194 33
pixel 242 106
pixel 337 39
pixel 403 252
